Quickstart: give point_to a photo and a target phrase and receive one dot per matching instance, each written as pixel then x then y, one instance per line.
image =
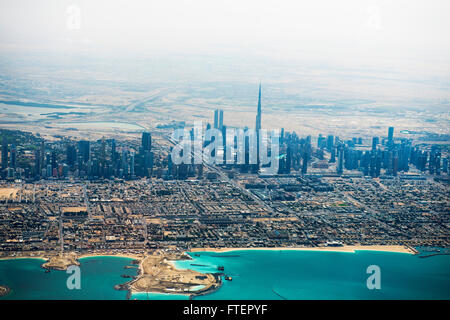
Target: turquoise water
pixel 28 280
pixel 256 275
pixel 325 275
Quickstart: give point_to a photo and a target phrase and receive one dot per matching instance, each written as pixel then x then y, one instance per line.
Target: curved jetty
pixel 435 254
pixel 284 298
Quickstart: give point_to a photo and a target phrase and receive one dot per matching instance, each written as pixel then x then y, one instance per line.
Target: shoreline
pixel 349 249
pixel 125 255
pixel 24 257
pixel 47 258
pixel 139 256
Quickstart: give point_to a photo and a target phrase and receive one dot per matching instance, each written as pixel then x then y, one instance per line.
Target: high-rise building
pixel 390 137
pixel 320 141
pixel 372 165
pixel 340 167
pixel 216 119
pixel 305 163
pixel 124 163
pixel 365 163
pixel 258 128
pixel 53 159
pixel 258 114
pixel 395 164
pixel 84 150
pixel 146 141
pixel 287 168
pixel 37 163
pixel 169 164
pixel 148 163
pixel 330 143
pixel 71 155
pixel 12 156
pixel 375 142
pixel 114 157
pixel 333 155
pixel 132 165
pixel 42 155
pixel 4 153
pixel 378 164
pixel 220 119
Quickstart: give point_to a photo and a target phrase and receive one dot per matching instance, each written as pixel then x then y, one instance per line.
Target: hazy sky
pixel 340 31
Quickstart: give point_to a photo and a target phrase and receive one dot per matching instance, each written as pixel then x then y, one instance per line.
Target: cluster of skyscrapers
pixel 388 154
pixel 9 160
pixel 84 159
pixel 100 159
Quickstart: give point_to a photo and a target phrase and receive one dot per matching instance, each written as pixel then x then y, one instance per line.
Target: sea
pixel 255 274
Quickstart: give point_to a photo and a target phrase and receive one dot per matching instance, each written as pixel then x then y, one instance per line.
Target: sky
pixel 399 32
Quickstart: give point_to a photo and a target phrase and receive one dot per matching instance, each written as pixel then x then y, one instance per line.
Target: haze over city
pixel 97 99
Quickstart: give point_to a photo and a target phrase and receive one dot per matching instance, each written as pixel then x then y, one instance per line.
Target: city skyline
pixel 224 150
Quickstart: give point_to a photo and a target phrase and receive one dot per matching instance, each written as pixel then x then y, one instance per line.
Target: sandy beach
pixel 107 254
pixel 54 260
pixel 386 248
pixel 138 256
pixel 46 256
pixel 24 256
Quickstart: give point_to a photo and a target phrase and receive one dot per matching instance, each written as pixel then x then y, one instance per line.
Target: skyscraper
pixel 320 141
pixel 12 156
pixel 216 119
pixel 146 141
pixel 220 119
pixel 288 159
pixel 71 155
pixel 4 153
pixel 333 155
pixel 258 128
pixel 148 164
pixel 132 165
pixel 84 150
pixel 340 167
pixel 305 163
pixel 258 114
pixel 37 163
pixel 374 143
pixel 330 143
pixel 395 164
pixel 113 151
pixel 390 137
pixel 42 155
pixel 53 159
